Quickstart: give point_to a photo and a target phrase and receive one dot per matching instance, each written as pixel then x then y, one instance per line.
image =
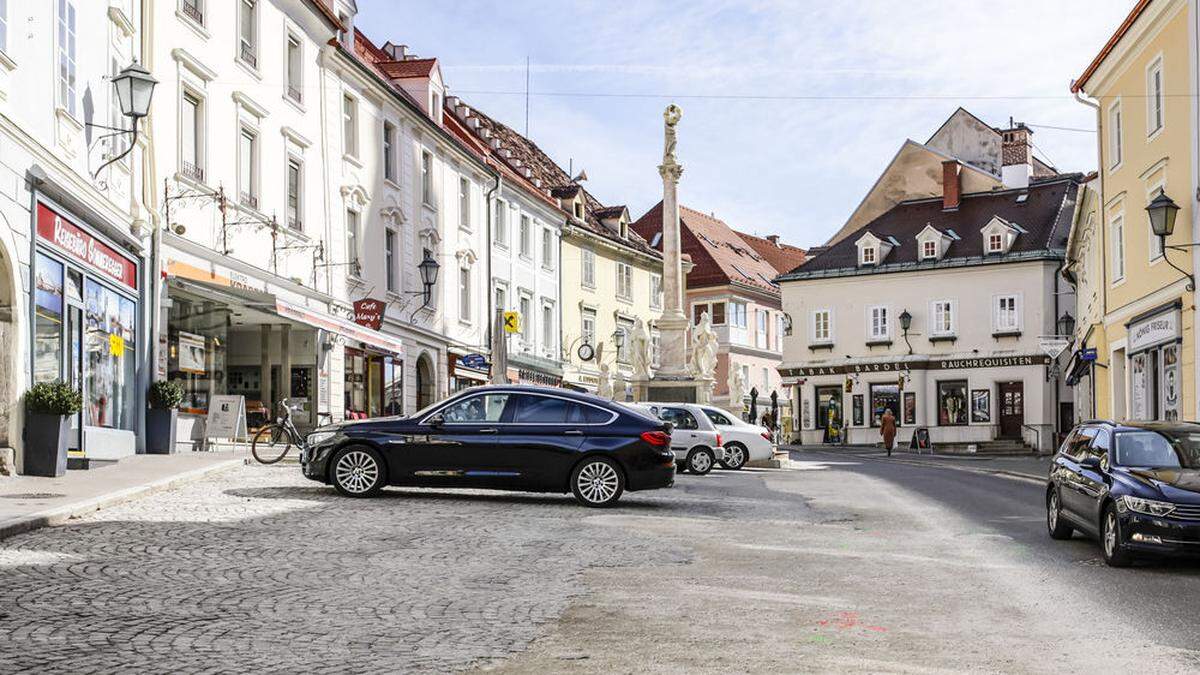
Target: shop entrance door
pixel 829 413
pixel 1012 409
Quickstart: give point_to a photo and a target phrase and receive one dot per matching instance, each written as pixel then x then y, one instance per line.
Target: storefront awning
pixel 333 324
pixel 268 302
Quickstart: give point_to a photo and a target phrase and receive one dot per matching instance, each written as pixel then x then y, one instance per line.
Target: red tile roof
pixel 783 257
pixel 400 70
pixel 719 254
pixel 1082 80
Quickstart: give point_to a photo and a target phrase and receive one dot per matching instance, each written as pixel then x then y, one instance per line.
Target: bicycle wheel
pixel 271 444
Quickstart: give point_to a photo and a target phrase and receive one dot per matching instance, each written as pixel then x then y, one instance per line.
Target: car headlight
pixel 319 437
pixel 1149 507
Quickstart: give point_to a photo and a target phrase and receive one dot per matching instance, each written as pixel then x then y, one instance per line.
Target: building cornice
pixel 926 266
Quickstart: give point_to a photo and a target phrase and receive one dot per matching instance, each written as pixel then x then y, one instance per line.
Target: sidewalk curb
pixel 61 514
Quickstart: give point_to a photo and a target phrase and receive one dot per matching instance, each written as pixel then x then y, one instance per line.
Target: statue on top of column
pixel 671 116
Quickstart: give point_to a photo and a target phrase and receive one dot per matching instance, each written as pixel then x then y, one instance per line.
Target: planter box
pixel 160 431
pixel 46 444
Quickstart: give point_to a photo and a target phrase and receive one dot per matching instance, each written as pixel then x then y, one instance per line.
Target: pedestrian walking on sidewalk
pixel 887 429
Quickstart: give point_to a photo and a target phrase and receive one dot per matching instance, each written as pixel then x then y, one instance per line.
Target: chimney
pixel 774 239
pixel 397 52
pixel 1017 156
pixel 951 184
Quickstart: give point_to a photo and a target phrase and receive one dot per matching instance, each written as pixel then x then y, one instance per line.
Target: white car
pixel 694 440
pixel 743 442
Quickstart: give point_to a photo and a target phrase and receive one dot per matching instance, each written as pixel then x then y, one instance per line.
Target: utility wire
pixel 794 97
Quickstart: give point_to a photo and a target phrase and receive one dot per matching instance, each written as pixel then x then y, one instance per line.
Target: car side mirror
pixel 1091 462
pixel 436 421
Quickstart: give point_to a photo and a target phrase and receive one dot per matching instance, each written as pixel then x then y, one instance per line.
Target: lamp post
pixel 905 324
pixel 134 88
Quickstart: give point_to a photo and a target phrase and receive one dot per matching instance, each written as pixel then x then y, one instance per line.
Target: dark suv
pixel 1135 486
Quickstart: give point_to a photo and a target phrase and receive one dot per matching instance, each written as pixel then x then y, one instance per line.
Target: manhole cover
pixel 33 495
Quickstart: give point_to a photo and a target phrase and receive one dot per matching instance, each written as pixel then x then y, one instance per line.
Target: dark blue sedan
pixel 1134 486
pixel 516 437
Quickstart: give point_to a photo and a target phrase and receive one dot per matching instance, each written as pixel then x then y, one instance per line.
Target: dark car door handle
pixel 489 430
pixel 572 432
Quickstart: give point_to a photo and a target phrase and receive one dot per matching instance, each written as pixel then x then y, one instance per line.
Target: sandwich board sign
pixel 226 418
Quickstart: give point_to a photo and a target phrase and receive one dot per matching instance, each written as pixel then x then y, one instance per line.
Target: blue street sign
pixel 476 361
pixel 1088 354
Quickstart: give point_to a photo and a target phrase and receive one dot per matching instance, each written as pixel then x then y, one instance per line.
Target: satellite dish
pixel 580 177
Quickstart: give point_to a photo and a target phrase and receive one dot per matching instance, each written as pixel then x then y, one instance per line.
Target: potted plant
pixel 164 400
pixel 48 405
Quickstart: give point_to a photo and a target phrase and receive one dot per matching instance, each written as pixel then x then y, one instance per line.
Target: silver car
pixel 694 439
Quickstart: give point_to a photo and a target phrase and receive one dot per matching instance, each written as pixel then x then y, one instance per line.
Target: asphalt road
pixel 1158 594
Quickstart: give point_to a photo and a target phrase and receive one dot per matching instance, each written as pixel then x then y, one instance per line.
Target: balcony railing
pixel 248 55
pixel 191 171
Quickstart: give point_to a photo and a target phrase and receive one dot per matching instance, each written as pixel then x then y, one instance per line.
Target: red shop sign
pixel 70 239
pixel 369 312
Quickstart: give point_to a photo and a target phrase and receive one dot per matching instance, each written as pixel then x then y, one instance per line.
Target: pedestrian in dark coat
pixel 887 429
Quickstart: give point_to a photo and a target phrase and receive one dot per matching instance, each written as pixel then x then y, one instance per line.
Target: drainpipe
pixel 1102 225
pixel 491 296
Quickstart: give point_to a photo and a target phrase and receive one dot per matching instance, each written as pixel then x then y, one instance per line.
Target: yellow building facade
pixel 611 279
pixel 1142 86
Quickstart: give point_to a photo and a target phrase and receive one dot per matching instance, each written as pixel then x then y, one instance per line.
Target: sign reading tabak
pixel 73 241
pixel 369 312
pixel 1005 361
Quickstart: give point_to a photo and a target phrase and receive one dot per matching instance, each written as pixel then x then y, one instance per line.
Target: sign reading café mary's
pixel 369 312
pixel 69 238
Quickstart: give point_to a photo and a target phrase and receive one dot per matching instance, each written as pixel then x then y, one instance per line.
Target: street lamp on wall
pixel 1162 211
pixel 429 274
pixel 905 324
pixel 134 89
pixel 1066 324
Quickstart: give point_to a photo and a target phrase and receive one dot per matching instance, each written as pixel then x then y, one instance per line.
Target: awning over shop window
pixel 334 324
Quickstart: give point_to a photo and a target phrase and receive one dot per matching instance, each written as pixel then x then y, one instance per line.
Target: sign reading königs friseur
pixel 931 364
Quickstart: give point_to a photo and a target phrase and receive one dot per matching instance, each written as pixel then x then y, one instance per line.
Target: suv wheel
pixel 1054 520
pixel 597 482
pixel 1115 553
pixel 734 457
pixel 700 461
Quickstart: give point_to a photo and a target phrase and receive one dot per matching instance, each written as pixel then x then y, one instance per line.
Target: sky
pixel 791 108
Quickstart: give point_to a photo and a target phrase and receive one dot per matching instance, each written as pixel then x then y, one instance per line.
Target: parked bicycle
pixel 273 442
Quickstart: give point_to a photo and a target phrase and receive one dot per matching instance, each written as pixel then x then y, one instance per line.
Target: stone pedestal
pixel 664 389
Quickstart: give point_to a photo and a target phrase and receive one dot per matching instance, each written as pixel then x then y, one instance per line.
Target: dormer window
pixel 624 229
pixel 929 250
pixel 578 209
pixel 999 235
pixel 867 256
pixel 872 250
pixel 995 243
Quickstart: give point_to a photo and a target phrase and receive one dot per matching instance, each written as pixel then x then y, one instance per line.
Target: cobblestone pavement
pixel 260 570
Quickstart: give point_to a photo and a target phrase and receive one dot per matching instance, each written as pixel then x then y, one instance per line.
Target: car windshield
pixel 1158 449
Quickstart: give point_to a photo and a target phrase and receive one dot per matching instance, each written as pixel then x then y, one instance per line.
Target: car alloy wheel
pixel 734 457
pixel 1115 553
pixel 357 472
pixel 1054 522
pixel 597 482
pixel 700 461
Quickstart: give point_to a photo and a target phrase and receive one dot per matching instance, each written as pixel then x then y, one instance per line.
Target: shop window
pixel 48 320
pixel 111 373
pixel 884 397
pixel 952 403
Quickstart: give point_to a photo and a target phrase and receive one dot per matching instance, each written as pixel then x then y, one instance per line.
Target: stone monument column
pixel 673 324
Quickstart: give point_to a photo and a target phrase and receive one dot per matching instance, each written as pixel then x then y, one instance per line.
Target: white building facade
pixel 74 267
pixel 976 278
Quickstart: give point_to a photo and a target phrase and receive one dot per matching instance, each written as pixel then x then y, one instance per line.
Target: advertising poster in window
pixel 1137 386
pixel 857 408
pixel 910 407
pixel 1170 382
pixel 981 405
pixel 191 353
pixel 952 403
pixel 884 397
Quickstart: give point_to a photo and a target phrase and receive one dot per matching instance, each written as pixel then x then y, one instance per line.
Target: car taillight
pixel 767 435
pixel 656 438
pixel 719 441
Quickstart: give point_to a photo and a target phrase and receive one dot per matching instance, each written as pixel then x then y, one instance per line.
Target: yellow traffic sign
pixel 512 322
